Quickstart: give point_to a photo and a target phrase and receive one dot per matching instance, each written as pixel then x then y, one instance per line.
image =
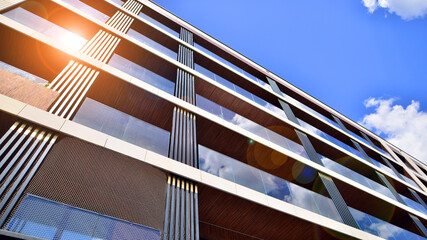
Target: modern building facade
pixel 118 120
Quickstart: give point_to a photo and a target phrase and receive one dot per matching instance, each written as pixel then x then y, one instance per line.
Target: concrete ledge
pixel 85 133
pixel 11 105
pixel 41 117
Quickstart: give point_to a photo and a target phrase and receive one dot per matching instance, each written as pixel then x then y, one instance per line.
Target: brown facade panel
pixel 19 88
pixel 93 178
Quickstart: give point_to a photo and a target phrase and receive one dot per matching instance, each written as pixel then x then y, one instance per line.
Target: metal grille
pixel 338 201
pixel 132 6
pixel 91 177
pixel 75 79
pixel 183 144
pixel 182 215
pixel 22 150
pixel 186 36
pixel 43 218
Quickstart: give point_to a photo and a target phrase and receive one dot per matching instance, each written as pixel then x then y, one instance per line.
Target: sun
pixel 71 41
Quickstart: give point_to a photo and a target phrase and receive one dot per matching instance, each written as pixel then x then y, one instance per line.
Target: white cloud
pixel 370 4
pixel 404 127
pixel 406 9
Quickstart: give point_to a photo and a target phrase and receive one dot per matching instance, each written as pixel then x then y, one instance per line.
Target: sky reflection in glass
pixel 123 126
pixel 158 24
pixel 226 167
pixel 239 90
pixel 381 228
pixel 48 219
pixel 88 10
pixel 142 73
pixel 148 41
pixel 70 40
pixel 250 126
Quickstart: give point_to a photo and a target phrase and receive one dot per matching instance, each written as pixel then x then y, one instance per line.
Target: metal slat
pixel 26 181
pixel 187 212
pixel 191 212
pixel 82 95
pixel 15 146
pixel 182 223
pixel 9 131
pixel 23 148
pixel 177 208
pixel 72 101
pixel 77 85
pixel 165 224
pixel 172 214
pixel 196 212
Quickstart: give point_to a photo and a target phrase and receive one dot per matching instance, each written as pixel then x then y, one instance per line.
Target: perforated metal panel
pixel 90 177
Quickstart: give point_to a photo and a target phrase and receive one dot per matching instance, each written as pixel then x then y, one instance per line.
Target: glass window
pixel 118 2
pixel 158 24
pixel 148 41
pixel 88 10
pixel 253 178
pixel 39 217
pixel 123 126
pixel 72 41
pixel 381 228
pixel 142 73
pixel 215 163
pixel 250 126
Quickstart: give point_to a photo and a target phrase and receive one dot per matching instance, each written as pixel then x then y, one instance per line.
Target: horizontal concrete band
pixel 84 133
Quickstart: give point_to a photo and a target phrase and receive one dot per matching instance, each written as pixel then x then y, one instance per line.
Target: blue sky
pixel 341 52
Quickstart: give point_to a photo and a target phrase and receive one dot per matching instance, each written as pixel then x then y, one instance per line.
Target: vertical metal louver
pixel 76 78
pixel 181 215
pixel 183 143
pixel 22 150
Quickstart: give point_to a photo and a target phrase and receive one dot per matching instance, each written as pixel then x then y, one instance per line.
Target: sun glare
pixel 71 41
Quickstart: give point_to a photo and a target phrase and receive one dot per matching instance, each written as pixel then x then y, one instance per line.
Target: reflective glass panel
pixel 158 24
pixel 381 228
pixel 241 91
pixel 39 217
pixel 329 138
pixel 72 41
pixel 230 65
pixel 123 126
pixel 118 2
pixel 250 126
pixel 88 10
pixel 142 73
pixel 148 41
pixel 413 204
pixel 410 181
pixel 248 176
pixel 346 172
pixel 253 178
pixel 215 163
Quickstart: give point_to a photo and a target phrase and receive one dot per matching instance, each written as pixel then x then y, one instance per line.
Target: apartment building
pixel 119 120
